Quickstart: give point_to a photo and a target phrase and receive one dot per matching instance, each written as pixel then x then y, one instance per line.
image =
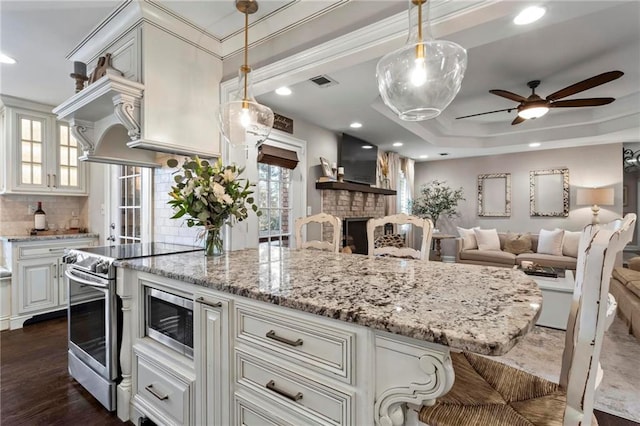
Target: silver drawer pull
pixel 271 334
pixel 204 302
pixel 272 387
pixel 155 393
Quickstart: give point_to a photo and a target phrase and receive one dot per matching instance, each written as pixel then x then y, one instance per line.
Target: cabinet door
pixel 212 361
pixel 31 136
pixel 68 176
pixel 38 284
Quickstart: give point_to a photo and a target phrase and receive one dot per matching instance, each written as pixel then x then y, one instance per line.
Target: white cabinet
pixel 212 359
pixel 41 154
pixel 38 283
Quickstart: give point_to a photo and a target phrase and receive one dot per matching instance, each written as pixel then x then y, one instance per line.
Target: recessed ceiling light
pixel 397 144
pixel 4 59
pixel 529 15
pixel 283 91
pixel 424 156
pixel 534 144
pixel 366 147
pixel 355 125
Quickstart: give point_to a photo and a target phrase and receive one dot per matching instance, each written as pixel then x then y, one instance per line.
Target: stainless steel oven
pixel 95 327
pixel 169 320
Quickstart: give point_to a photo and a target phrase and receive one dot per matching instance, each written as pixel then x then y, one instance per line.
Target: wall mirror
pixel 494 195
pixel 549 193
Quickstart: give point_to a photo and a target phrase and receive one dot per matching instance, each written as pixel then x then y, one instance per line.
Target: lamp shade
pixel 419 80
pixel 598 196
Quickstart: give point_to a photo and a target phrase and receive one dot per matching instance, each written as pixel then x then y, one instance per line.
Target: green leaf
pixel 172 162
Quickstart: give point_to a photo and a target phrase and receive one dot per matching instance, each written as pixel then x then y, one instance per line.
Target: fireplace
pixel 354 234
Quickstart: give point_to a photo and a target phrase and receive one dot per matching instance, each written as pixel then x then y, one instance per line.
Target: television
pixel 359 159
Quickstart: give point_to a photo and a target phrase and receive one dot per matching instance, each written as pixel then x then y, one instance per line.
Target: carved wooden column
pixel 124 388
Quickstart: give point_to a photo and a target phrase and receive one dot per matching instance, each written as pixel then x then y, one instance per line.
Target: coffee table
pixel 556 299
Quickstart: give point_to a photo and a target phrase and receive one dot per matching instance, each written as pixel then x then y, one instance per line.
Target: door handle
pixel 205 302
pixel 272 387
pixel 48 180
pixel 55 181
pixel 155 393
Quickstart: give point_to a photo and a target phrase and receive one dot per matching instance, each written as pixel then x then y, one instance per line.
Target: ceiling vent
pixel 323 81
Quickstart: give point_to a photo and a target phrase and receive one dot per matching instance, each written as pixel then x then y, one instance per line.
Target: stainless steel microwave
pixel 169 320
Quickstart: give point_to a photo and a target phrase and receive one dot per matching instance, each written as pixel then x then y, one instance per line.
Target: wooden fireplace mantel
pixel 358 187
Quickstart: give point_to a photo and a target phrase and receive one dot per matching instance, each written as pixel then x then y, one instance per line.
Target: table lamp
pixel 595 197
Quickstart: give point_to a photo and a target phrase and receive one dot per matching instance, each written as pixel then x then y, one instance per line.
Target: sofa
pixel 564 254
pixel 625 287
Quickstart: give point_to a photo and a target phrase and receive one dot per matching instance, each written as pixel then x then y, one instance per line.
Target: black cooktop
pixel 136 250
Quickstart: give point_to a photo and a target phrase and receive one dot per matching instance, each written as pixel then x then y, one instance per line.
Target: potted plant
pixel 436 199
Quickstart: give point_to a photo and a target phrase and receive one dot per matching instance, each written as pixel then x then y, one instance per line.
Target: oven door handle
pixel 73 277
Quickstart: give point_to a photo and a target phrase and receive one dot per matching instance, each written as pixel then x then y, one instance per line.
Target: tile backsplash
pixel 167 230
pixel 15 218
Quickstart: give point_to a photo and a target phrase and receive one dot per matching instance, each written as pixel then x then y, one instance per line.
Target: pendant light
pixel 243 121
pixel 419 80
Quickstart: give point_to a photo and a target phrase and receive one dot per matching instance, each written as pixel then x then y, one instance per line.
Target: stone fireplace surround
pixel 349 204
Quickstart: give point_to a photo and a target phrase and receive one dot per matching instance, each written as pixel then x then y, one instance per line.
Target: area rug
pixel 540 353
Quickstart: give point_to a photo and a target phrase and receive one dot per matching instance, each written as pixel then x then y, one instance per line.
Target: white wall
pixel 320 143
pixel 593 166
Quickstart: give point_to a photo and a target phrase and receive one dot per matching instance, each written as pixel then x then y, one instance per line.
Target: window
pixel 403 199
pixel 273 200
pixel 129 187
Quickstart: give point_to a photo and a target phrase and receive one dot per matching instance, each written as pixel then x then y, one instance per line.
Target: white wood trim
pixel 322 218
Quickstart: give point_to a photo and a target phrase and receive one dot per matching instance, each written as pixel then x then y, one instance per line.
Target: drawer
pixel 312 345
pixel 51 249
pixel 248 414
pixel 162 390
pixel 294 392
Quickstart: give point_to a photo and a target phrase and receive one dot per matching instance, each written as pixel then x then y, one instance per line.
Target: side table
pixel 437 238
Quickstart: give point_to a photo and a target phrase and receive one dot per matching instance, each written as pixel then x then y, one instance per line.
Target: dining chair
pixel 400 219
pixel 486 392
pixel 322 218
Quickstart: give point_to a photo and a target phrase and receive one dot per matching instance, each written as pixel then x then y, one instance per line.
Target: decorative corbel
pixel 423 375
pixel 82 130
pixel 127 110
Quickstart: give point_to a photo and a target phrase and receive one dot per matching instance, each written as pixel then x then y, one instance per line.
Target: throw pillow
pixel 570 243
pixel 487 239
pixel 517 243
pixel 550 242
pixel 469 241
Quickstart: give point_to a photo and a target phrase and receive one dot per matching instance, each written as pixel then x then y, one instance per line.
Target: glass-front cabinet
pixel 40 152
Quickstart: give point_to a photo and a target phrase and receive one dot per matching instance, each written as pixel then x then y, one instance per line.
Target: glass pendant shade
pixel 419 80
pixel 243 121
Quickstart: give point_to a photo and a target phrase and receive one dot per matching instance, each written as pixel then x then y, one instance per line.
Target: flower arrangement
pixel 383 162
pixel 211 195
pixel 436 199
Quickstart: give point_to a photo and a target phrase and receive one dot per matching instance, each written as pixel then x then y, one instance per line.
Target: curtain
pixel 408 168
pixel 394 168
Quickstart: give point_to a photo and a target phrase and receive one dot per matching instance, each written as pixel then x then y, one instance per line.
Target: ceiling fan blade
pixel 517 120
pixel 488 112
pixel 585 85
pixel 589 102
pixel 508 95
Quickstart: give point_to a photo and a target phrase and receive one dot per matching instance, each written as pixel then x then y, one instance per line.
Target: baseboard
pixel 4 323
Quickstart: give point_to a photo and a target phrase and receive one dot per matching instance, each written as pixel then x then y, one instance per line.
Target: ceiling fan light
pixel 419 80
pixel 534 112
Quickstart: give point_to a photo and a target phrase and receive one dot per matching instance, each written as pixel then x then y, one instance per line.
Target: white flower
pixel 188 189
pixel 198 192
pixel 225 198
pixel 218 189
pixel 228 175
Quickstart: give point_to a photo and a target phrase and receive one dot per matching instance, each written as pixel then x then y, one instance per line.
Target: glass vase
pixel 213 244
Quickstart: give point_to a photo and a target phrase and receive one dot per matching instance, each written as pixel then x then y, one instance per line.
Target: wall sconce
pixel 595 197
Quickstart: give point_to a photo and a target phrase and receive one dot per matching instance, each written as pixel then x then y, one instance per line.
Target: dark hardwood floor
pixel 36 389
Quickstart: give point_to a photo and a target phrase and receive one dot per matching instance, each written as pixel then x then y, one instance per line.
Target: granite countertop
pixel 24 238
pixel 482 309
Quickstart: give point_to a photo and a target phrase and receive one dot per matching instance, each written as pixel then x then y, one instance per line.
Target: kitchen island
pixel 359 337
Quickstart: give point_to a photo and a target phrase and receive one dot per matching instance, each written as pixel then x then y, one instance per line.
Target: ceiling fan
pixel 534 106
